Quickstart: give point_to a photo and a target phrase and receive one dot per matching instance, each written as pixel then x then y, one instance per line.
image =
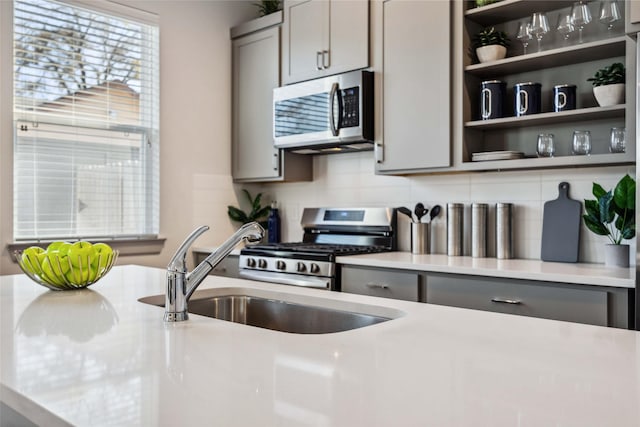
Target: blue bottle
pixel 273 224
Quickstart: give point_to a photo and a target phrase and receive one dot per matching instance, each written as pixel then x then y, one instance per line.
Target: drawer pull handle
pixel 376 285
pixel 506 301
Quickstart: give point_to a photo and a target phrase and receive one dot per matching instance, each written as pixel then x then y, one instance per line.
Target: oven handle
pixel 287 279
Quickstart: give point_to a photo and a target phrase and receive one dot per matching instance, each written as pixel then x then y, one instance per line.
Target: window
pixel 86 112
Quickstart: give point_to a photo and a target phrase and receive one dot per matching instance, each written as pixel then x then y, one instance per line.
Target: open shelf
pixel 579 115
pixel 552 162
pixel 574 54
pixel 508 10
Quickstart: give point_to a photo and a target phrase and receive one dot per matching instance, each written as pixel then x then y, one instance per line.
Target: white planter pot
pixel 609 94
pixel 616 255
pixel 491 53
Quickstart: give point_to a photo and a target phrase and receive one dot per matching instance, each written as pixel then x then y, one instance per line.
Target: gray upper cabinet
pixel 415 100
pixel 324 37
pixel 256 72
pixel 633 16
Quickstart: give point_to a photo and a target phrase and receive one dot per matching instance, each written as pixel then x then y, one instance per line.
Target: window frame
pixel 134 245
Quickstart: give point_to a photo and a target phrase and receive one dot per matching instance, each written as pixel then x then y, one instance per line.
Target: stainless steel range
pixel 328 232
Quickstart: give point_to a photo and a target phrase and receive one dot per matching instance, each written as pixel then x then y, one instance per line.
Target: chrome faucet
pixel 181 284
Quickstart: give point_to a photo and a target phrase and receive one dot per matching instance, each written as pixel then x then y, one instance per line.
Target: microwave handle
pixel 332 121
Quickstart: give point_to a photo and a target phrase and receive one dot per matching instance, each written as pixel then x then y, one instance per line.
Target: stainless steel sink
pixel 279 313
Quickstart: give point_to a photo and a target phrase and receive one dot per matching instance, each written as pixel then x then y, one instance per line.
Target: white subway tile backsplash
pixel 348 180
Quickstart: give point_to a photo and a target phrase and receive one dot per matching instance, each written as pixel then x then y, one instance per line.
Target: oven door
pixel 288 279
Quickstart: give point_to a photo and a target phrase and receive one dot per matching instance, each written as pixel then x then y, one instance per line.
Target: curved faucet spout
pixel 181 285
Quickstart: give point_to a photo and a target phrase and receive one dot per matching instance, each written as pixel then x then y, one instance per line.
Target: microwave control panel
pixel 350 107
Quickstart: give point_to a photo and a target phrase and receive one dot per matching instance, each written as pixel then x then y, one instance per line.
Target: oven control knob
pixel 301 267
pixel 315 268
pixel 280 265
pixel 262 263
pixel 251 262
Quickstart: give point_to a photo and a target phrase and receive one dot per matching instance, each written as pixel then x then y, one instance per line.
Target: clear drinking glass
pixel 565 26
pixel 618 140
pixel 539 26
pixel 524 34
pixel 546 146
pixel 580 16
pixel 610 13
pixel 581 143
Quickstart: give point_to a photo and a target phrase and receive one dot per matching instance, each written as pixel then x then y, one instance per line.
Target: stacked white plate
pixel 496 155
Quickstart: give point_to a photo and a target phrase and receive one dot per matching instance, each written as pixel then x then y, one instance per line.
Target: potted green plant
pixel 609 84
pixel 267 7
pixel 480 3
pixel 490 44
pixel 613 214
pixel 256 213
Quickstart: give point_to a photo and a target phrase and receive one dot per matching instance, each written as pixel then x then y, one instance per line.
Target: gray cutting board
pixel 561 227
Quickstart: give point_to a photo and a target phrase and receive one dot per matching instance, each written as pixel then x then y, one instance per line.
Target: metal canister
pixel 564 97
pixel 504 231
pixel 527 98
pixel 455 229
pixel 479 230
pixel 492 95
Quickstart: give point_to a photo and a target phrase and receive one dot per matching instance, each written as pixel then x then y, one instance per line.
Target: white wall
pixel 195 121
pixel 347 180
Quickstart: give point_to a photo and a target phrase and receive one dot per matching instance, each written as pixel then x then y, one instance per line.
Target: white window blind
pixel 86 112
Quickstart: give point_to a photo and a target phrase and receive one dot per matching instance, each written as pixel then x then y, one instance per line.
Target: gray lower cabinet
pixel 229 267
pixel 593 305
pixel 394 284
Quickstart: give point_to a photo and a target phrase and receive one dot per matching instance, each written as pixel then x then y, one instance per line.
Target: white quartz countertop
pixel 100 357
pixel 576 273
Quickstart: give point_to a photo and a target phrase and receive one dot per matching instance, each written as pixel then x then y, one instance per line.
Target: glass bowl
pixel 60 273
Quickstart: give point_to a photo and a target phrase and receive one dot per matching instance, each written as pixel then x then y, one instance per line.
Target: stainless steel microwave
pixel 327 115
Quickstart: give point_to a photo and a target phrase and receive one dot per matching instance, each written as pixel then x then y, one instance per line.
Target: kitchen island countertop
pixel 100 357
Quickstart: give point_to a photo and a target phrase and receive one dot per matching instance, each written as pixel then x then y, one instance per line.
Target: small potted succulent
pixel 267 7
pixel 613 214
pixel 490 44
pixel 608 85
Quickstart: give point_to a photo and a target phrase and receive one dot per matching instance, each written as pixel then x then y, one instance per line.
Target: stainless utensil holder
pixel 420 238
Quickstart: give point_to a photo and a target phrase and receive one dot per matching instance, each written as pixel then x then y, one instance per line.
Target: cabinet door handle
pixel 506 301
pixel 318 60
pixel 377 286
pixel 325 59
pixel 275 161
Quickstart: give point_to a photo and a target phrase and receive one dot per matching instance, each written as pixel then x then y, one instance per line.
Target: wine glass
pixel 618 140
pixel 565 26
pixel 580 17
pixel 539 26
pixel 524 34
pixel 581 143
pixel 609 13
